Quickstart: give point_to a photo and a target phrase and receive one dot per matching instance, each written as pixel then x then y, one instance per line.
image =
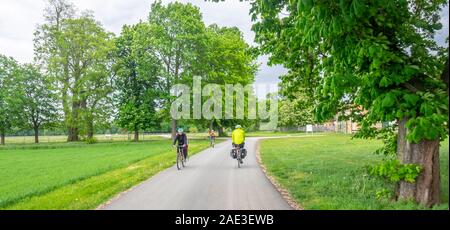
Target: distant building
pixel 347 126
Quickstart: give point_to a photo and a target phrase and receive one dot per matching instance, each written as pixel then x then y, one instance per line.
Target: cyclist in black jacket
pixel 182 140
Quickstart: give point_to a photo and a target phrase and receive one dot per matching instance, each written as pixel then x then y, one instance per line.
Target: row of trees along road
pixel 376 59
pixel 84 77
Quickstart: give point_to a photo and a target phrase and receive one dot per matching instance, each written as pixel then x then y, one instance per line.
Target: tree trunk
pixel 221 132
pixel 426 189
pixel 73 122
pixel 73 134
pixel 136 135
pixel 36 135
pixel 2 138
pixel 211 125
pixel 174 128
pixel 90 128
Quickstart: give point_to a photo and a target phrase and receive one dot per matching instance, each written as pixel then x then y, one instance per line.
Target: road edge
pixel 284 193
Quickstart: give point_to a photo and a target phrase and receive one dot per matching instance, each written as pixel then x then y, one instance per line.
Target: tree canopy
pixel 375 59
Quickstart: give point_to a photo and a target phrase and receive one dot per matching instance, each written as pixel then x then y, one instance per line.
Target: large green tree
pixel 137 78
pixel 177 38
pixel 374 58
pixel 10 96
pixel 39 101
pixel 49 53
pixel 75 52
pixel 229 60
pixel 296 110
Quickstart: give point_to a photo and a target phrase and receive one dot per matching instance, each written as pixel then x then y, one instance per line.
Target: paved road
pixel 211 180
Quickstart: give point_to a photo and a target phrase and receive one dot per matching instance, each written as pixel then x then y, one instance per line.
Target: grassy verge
pixel 328 172
pixel 80 178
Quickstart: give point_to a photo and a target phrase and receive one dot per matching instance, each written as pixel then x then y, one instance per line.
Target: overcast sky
pixel 18 20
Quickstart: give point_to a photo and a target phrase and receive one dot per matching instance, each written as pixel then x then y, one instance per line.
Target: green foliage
pixel 229 57
pixel 176 34
pixel 369 60
pixel 185 47
pixel 75 52
pixel 193 129
pixel 11 94
pixel 39 99
pixel 296 112
pixel 428 125
pixel 375 59
pixel 137 80
pixel 99 77
pixel 394 171
pixel 383 193
pixel 91 140
pixel 387 135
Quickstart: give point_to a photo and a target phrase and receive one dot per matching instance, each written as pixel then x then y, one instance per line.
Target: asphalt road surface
pixel 211 180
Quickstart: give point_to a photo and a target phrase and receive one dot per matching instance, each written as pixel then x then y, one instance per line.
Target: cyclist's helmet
pixel 180 130
pixel 238 127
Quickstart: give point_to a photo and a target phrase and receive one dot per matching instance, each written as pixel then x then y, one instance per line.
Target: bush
pixel 193 129
pixel 394 171
pixel 91 140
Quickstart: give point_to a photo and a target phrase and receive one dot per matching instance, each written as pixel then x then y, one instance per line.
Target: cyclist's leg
pixel 232 150
pixel 185 152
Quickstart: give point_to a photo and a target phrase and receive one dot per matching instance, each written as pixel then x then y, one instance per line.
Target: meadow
pixel 78 175
pixel 329 172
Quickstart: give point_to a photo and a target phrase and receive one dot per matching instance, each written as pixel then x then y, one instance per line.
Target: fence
pixel 347 127
pixel 100 137
pixel 338 127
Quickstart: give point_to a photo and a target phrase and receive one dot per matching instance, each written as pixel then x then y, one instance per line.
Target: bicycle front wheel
pixel 179 161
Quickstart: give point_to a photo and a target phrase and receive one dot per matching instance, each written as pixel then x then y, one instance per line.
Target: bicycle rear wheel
pixel 238 157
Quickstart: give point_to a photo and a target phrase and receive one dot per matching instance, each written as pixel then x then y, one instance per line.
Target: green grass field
pixel 328 172
pixel 80 176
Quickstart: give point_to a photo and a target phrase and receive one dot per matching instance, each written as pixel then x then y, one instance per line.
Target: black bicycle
pixel 181 160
